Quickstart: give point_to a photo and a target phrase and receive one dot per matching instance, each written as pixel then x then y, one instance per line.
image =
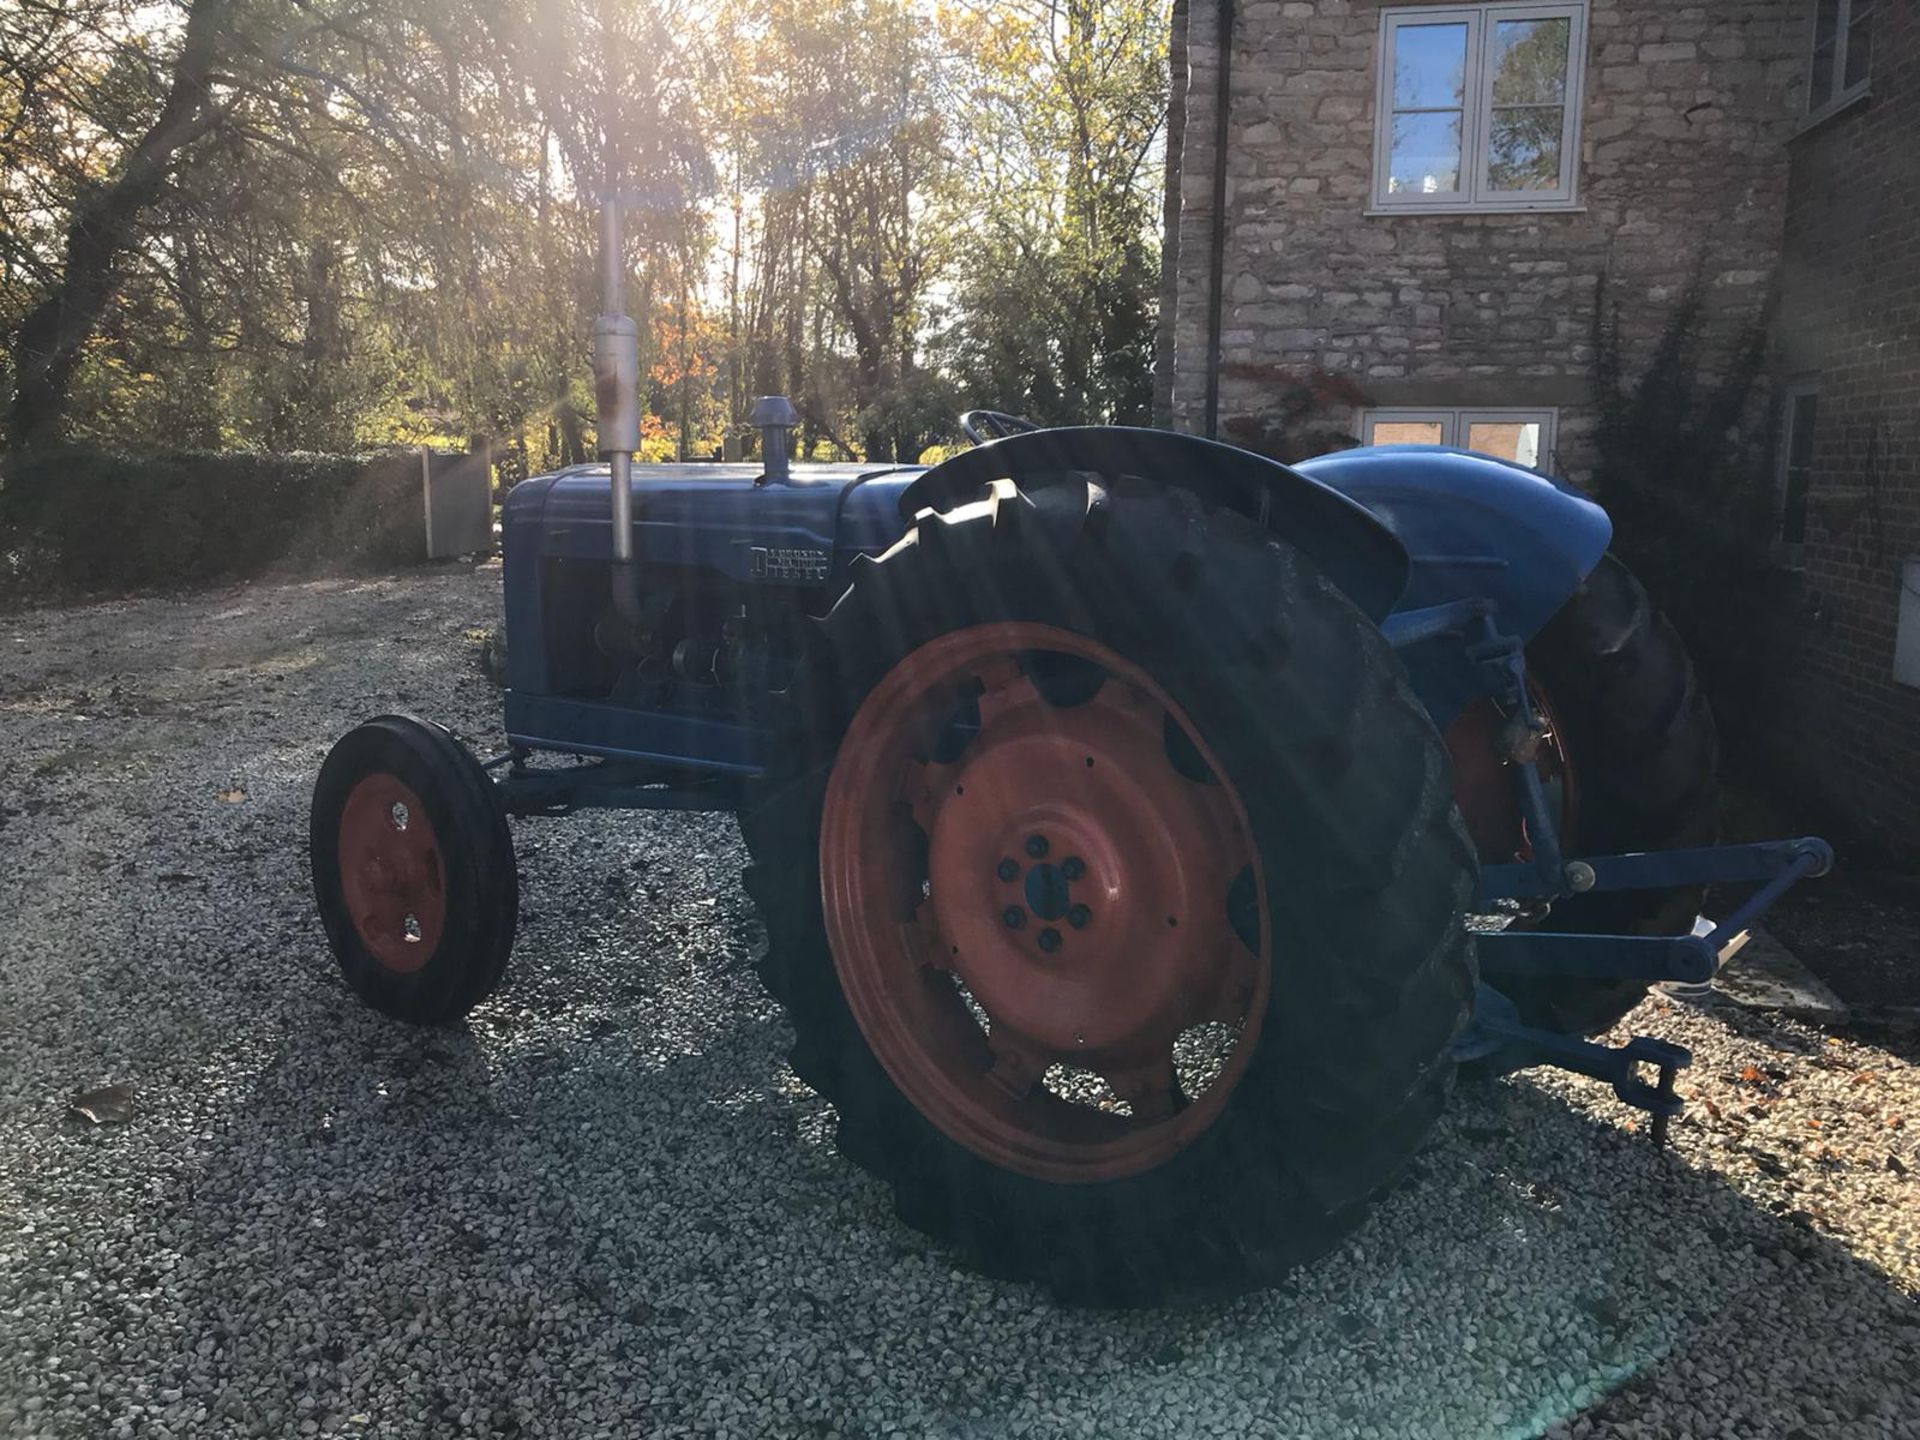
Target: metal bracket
pixel 1500 663
pixel 1497 1034
pixel 1409 627
pixel 1498 1037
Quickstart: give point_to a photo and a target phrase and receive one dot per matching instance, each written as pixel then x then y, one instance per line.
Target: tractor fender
pixel 1352 548
pixel 1475 527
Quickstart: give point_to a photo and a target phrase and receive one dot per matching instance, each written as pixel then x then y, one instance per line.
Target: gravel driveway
pixel 606 1208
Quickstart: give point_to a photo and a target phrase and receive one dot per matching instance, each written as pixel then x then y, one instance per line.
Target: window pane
pixel 1529 62
pixel 1429 66
pixel 1409 432
pixel 1523 148
pixel 1826 23
pixel 1426 154
pixel 1516 440
pixel 1820 87
pixel 1859 43
pixel 1826 32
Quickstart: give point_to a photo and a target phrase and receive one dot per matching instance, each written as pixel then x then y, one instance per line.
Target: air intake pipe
pixel 616 383
pixel 774 417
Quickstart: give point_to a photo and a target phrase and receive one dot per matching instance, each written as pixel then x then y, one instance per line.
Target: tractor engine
pixel 729 561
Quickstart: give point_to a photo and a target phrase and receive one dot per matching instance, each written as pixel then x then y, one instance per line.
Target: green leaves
pixel 383 230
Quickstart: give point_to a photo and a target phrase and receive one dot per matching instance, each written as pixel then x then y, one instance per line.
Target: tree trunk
pixel 686 357
pixel 200 415
pixel 573 435
pixel 49 342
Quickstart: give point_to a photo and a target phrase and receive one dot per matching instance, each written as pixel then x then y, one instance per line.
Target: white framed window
pixel 1525 437
pixel 1799 409
pixel 1478 107
pixel 1842 55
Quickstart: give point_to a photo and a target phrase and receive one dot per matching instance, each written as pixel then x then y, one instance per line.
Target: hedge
pixel 90 520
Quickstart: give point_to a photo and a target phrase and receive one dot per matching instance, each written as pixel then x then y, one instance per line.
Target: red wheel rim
pixel 392 875
pixel 1060 1042
pixel 1483 779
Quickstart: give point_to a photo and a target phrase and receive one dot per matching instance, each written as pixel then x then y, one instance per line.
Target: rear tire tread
pixel 1363 1039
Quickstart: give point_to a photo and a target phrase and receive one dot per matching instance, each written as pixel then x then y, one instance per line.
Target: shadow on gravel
pixel 634 1223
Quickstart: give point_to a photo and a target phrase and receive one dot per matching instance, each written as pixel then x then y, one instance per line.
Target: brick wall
pixel 1850 323
pixel 1682 170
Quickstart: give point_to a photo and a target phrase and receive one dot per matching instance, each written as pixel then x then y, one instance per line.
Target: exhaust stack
pixel 616 383
pixel 774 417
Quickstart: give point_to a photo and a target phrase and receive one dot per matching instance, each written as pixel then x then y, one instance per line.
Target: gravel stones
pixel 605 1206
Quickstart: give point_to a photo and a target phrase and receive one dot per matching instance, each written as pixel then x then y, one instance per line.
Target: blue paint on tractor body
pixel 711 517
pixel 1475 527
pixel 1460 558
pixel 1466 525
pixel 711 522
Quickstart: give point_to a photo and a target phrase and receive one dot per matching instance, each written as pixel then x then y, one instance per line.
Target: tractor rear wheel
pixel 413 870
pixel 1114 886
pixel 1632 755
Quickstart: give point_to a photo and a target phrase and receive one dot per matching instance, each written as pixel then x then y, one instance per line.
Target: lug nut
pixel 1009 869
pixel 1078 917
pixel 1049 939
pixel 1014 916
pixel 1073 867
pixel 1036 846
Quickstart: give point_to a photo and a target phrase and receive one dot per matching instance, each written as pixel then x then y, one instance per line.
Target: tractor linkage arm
pixel 1498 1035
pixel 1499 663
pixel 1691 958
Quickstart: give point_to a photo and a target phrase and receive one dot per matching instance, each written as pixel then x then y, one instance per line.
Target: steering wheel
pixel 980 426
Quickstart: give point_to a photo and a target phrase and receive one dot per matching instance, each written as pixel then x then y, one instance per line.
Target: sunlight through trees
pixel 327 224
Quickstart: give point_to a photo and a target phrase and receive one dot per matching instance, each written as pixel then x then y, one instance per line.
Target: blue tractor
pixel 1146 833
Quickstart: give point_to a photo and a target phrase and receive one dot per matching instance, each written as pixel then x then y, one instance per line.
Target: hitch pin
pixel 1663 1118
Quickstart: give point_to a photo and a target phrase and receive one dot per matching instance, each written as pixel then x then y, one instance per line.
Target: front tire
pixel 1262 759
pixel 413 870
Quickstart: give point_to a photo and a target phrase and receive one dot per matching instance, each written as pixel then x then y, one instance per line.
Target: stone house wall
pixel 1850 326
pixel 1682 171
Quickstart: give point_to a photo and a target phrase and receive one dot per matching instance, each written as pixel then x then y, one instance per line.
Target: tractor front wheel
pixel 413 870
pixel 1113 883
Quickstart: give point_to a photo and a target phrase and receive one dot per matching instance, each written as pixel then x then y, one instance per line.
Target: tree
pixel 1063 106
pixel 835 118
pixel 335 223
pixel 101 226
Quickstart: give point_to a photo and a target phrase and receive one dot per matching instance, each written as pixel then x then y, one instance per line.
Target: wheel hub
pixel 1071 909
pixel 1049 893
pixel 1150 848
pixel 392 875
